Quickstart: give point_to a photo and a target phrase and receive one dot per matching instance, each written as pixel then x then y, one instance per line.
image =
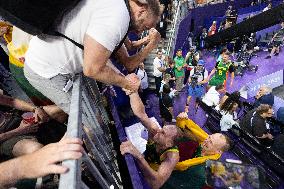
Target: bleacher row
pixel 247 147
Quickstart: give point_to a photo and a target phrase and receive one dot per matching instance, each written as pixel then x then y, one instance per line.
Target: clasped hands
pixel 134 83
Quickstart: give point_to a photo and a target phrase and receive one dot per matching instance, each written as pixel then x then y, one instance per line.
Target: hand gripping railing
pixel 88 120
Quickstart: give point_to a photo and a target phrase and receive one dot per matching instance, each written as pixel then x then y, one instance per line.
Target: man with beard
pixel 101 26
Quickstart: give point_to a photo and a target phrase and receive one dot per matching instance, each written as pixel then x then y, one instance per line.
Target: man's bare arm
pixel 95 66
pixel 139 110
pixel 132 62
pixel 155 179
pixel 40 163
pixel 52 111
pixel 132 45
pixel 16 103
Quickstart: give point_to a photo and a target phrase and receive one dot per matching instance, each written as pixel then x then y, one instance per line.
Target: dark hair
pixel 154 6
pixel 263 108
pixel 159 51
pixel 230 101
pixel 228 145
pixel 166 89
pixel 223 49
pixel 218 87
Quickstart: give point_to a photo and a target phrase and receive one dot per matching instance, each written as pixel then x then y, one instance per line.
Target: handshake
pixel 133 84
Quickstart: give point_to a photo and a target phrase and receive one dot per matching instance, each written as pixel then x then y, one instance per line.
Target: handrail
pixel 71 179
pixel 173 32
pixel 88 120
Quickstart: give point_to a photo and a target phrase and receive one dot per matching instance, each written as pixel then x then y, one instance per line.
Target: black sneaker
pixel 276 54
pixel 268 57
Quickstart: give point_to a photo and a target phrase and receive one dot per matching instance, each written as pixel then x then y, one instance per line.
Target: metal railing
pixel 173 31
pixel 88 120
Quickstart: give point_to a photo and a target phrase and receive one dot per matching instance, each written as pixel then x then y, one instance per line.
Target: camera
pixel 194 80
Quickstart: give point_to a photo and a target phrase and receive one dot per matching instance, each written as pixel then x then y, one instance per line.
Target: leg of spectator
pixel 158 84
pixel 26 146
pixel 52 88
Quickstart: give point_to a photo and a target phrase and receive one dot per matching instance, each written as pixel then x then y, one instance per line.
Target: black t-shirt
pixel 171 72
pixel 254 124
pixel 167 101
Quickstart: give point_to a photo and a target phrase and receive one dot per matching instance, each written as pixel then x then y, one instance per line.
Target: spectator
pixel 170 71
pixel 202 38
pixel 191 60
pixel 51 63
pixel 276 42
pixel 196 82
pixel 183 8
pixel 166 104
pixel 264 96
pixel 158 70
pixel 163 154
pixel 220 71
pixel 179 69
pixel 16 134
pixel 142 75
pixel 41 163
pixel 213 29
pixel 255 123
pixel 212 97
pixel 228 111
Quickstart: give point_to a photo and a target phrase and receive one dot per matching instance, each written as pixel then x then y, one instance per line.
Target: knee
pixel 26 146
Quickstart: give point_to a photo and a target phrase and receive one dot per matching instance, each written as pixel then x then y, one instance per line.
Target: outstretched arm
pixel 139 110
pixel 155 179
pixel 132 62
pixel 40 163
pixel 95 65
pixel 131 45
pixel 41 114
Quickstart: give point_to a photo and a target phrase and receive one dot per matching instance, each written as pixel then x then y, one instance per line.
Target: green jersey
pixel 179 63
pixel 221 73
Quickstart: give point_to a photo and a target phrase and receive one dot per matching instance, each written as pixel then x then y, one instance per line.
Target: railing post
pixel 72 179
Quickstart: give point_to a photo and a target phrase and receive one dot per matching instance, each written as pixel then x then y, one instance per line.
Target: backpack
pixel 40 16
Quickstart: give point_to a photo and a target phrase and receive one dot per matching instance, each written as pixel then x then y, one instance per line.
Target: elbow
pixel 92 72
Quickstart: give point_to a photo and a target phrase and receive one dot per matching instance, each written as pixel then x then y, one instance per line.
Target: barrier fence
pixel 88 120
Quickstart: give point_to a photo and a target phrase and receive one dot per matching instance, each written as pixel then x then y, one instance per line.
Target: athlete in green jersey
pixel 220 71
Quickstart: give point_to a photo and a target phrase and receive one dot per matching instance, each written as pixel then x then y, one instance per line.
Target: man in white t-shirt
pixel 141 73
pixel 52 62
pixel 212 97
pixel 158 70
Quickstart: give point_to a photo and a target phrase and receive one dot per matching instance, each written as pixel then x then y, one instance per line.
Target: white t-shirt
pixel 105 21
pixel 227 121
pixel 143 77
pixel 212 97
pixel 157 64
